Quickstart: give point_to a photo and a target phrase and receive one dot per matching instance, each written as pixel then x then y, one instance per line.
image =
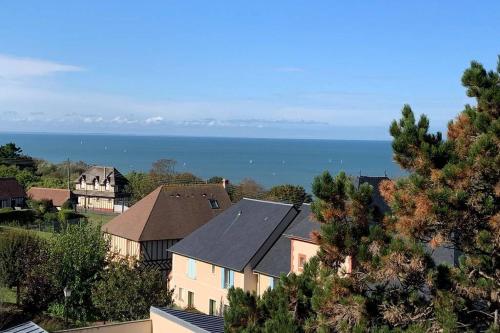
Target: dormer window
pixel 96 184
pixel 107 185
pixel 214 204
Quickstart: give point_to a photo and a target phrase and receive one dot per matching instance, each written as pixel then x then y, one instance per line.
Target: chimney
pixel 225 182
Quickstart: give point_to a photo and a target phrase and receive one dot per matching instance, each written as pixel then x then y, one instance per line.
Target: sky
pixel 275 69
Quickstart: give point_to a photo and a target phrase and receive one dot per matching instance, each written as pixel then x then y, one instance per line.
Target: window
pixel 190 299
pixel 191 272
pixel 107 185
pixel 227 278
pixel 214 203
pixel 302 261
pixel 211 307
pixel 96 184
pixel 180 294
pixel 272 281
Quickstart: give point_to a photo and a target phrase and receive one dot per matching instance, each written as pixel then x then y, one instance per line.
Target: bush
pixel 23 217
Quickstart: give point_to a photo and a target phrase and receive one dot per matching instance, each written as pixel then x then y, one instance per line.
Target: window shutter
pixel 223 283
pixel 231 278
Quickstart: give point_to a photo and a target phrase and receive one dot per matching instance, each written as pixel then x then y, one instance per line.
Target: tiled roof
pixel 101 173
pixel 28 327
pixel 239 236
pixel 169 212
pixel 196 322
pixel 58 196
pixel 10 188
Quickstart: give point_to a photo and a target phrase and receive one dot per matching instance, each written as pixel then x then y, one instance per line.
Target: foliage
pixel 10 150
pixel 19 253
pixel 77 257
pixel 247 188
pixel 22 217
pixel 289 194
pixel 450 198
pixel 144 288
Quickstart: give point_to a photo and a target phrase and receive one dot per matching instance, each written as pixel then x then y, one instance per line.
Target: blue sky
pixel 302 69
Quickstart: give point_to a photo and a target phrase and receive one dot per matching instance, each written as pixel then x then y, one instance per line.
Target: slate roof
pixel 239 236
pixel 196 322
pixel 169 212
pixel 277 260
pixel 58 196
pixel 101 173
pixel 304 224
pixel 10 188
pixel 28 327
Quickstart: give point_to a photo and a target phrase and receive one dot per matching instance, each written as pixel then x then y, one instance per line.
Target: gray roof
pixel 377 201
pixel 195 322
pixel 28 327
pixel 101 174
pixel 277 260
pixel 239 236
pixel 303 225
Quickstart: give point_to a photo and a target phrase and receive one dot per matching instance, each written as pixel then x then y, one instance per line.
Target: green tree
pixel 144 287
pixel 77 257
pixel 10 150
pixel 139 185
pixel 289 194
pixel 19 253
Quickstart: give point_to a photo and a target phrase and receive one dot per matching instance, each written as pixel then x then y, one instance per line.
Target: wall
pixel 96 203
pixel 264 282
pixel 307 249
pixel 138 326
pixel 206 286
pixel 161 324
pixel 124 247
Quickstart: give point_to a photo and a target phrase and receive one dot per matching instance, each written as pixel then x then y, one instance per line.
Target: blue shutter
pixel 231 278
pixel 222 281
pixel 271 282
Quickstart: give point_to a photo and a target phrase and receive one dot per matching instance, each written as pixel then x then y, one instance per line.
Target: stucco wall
pixel 138 326
pixel 206 285
pixel 161 324
pixel 264 282
pixel 107 204
pixel 298 248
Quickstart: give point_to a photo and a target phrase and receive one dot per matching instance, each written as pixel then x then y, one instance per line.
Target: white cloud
pixel 15 67
pixel 154 120
pixel 123 120
pixel 91 120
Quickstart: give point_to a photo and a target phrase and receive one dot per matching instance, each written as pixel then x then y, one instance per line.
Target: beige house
pixel 224 252
pixel 165 216
pixel 101 188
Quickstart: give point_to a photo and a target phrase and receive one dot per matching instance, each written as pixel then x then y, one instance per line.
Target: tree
pixel 144 288
pixel 247 188
pixel 10 150
pixel 162 171
pixel 289 194
pixel 139 185
pixel 19 253
pixel 77 257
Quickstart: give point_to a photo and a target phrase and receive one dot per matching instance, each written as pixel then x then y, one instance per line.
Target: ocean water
pixel 268 161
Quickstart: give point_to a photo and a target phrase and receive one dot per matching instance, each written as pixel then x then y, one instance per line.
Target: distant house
pixel 56 195
pixel 12 193
pixel 101 188
pixel 162 218
pixel 224 252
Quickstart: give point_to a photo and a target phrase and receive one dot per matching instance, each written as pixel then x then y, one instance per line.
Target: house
pixel 56 195
pixel 12 194
pixel 161 320
pixel 224 252
pixel 165 216
pixel 101 188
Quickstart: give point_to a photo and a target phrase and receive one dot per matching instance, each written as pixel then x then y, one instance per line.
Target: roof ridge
pixel 159 188
pixel 267 201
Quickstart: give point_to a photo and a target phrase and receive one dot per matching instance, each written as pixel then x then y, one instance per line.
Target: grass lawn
pixel 99 218
pixel 41 234
pixel 7 295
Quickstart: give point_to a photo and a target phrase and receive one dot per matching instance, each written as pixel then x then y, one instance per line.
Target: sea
pixel 267 161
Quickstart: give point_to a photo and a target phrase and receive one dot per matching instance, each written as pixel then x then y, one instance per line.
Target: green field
pixel 99 219
pixel 7 295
